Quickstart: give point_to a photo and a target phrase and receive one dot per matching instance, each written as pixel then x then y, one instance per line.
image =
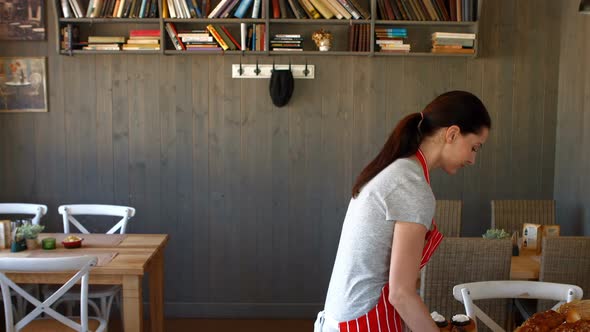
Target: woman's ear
pixel 452 133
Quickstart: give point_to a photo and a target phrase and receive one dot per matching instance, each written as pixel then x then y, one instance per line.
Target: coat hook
pixel 289 64
pixel 273 65
pixel 306 71
pixel 257 70
pixel 241 70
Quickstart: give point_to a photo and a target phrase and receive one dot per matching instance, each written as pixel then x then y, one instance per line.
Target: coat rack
pixel 265 70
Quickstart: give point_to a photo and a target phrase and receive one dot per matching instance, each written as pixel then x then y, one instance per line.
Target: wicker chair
pixel 566 259
pixel 511 214
pixel 463 260
pixel 448 217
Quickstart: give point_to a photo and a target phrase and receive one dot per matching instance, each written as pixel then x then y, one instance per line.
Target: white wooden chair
pixel 507 289
pixel 80 265
pixel 106 294
pixel 69 211
pixel 36 210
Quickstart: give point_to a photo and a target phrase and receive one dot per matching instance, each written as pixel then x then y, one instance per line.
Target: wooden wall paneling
pixel 255 177
pixel 498 90
pixel 104 130
pixel 231 132
pixel 305 226
pixel 550 80
pixel 120 109
pixel 585 183
pixel 225 168
pixel 390 91
pixel 529 74
pixel 569 123
pixel 73 66
pixel 337 138
pixel 87 115
pixel 200 154
pixel 183 173
pixel 168 217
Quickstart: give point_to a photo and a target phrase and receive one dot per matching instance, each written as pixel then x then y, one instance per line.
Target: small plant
pixel 495 233
pixel 30 231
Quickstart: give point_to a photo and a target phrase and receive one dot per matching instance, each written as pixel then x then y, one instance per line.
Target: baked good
pixel 544 321
pixel 442 323
pixel 578 326
pixel 462 323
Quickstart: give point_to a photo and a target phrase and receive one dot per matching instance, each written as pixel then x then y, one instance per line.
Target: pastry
pixel 442 323
pixel 462 323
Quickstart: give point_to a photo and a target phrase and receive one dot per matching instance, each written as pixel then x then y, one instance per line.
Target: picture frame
pixel 22 20
pixel 23 84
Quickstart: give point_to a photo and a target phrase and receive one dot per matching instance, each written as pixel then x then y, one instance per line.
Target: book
pixel 65 8
pixel 454 35
pixel 360 9
pixel 318 4
pixel 173 34
pixel 217 37
pixel 309 9
pixel 454 50
pixel 232 39
pixel 106 39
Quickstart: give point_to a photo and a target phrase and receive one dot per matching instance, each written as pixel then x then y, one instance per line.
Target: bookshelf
pixel 418 31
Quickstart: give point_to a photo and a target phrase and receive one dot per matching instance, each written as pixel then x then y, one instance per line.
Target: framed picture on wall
pixel 22 19
pixel 23 84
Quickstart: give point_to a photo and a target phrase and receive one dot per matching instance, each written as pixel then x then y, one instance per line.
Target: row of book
pixel 217 37
pixel 185 8
pixel 110 8
pixel 453 43
pixel 359 38
pixel 316 9
pixel 427 10
pixel 392 40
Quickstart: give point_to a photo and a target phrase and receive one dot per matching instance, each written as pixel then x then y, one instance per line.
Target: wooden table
pixel 138 254
pixel 525 267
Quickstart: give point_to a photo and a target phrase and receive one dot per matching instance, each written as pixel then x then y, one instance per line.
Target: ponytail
pixel 459 108
pixel 402 143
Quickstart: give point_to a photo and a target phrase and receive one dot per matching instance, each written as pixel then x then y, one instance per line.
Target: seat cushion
pixel 52 325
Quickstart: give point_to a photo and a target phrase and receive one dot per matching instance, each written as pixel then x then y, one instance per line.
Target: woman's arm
pixel 406 254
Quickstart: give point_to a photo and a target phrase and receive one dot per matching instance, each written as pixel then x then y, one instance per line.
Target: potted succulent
pixel 31 233
pixel 495 233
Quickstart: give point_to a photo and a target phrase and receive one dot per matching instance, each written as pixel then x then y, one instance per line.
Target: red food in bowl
pixel 72 244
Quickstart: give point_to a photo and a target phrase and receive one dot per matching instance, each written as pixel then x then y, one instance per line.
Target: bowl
pixel 72 244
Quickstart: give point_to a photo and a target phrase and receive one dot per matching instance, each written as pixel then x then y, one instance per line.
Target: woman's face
pixel 460 150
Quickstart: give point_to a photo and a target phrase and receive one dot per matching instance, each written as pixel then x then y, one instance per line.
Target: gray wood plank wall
pixel 572 161
pixel 252 195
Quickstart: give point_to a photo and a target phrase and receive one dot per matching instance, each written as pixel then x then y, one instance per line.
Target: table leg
pixel 132 304
pixel 156 275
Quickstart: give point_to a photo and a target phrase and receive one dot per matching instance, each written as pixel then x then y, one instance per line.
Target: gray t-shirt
pixel 398 193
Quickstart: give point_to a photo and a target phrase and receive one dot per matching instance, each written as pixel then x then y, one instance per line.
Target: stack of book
pixel 286 42
pixel 104 43
pixel 198 40
pixel 392 40
pixel 143 40
pixel 453 42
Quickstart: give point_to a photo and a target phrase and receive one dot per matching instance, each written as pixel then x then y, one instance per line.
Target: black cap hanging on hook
pixel 281 86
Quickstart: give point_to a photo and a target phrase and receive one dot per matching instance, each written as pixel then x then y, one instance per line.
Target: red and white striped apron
pixel 383 317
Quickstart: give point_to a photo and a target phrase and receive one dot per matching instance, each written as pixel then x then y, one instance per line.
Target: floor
pixel 227 325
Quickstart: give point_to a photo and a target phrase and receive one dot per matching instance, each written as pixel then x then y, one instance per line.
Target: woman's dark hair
pixel 459 108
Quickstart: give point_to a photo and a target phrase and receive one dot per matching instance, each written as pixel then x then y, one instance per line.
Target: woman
pixel 389 233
